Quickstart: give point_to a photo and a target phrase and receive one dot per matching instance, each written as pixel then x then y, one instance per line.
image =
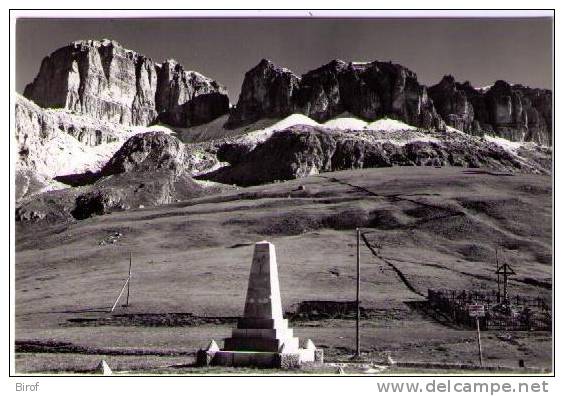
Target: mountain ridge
pixel 110 82
pixel 369 91
pixel 97 133
pixel 511 111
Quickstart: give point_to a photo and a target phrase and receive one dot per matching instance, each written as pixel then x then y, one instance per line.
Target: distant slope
pixel 308 147
pixel 151 168
pixel 53 143
pixel 294 147
pixel 439 226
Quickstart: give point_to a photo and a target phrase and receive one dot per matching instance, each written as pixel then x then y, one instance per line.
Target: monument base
pixel 258 359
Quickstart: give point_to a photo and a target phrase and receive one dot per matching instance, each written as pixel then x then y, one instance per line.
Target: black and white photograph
pixel 288 194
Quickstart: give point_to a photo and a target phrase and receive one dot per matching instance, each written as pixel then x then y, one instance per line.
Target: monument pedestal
pixel 262 337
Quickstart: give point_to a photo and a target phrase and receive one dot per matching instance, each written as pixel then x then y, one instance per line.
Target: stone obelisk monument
pixel 262 337
pixel 262 327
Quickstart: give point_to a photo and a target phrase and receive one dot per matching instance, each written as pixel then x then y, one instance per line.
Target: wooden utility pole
pixel 129 282
pixel 497 272
pixel 357 292
pixel 126 284
pixel 477 311
pixel 479 340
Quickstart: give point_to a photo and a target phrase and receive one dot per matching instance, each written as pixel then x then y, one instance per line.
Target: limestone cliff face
pixel 514 112
pixel 150 168
pixel 106 81
pixel 177 88
pixel 453 104
pixel 520 113
pixel 267 92
pixel 383 89
pixel 44 136
pixel 368 90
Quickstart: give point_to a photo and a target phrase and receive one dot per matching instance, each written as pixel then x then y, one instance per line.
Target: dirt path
pixel 400 274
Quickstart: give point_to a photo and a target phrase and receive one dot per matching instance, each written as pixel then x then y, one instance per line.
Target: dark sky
pixel 478 50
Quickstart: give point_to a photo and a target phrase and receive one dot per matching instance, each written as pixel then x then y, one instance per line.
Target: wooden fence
pixel 519 313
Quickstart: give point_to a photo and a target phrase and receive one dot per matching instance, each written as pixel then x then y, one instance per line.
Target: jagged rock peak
pixel 511 111
pixel 501 85
pixel 382 66
pixel 448 81
pixel 102 79
pixel 267 92
pixel 267 64
pixel 336 65
pixel 96 43
pixel 367 90
pixel 452 104
pixel 264 62
pixel 339 62
pixel 467 86
pixel 107 46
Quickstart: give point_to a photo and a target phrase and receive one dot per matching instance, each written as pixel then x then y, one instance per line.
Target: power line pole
pixel 357 293
pixel 129 281
pixel 497 272
pixel 478 311
pixel 479 341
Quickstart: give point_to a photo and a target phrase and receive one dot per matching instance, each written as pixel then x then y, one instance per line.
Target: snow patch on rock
pixel 484 88
pixel 507 145
pixel 388 124
pixel 345 122
pixel 261 130
pixel 454 130
pixel 295 119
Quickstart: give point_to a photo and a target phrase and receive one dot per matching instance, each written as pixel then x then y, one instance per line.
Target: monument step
pixel 242 358
pixel 258 323
pixel 263 333
pixel 259 344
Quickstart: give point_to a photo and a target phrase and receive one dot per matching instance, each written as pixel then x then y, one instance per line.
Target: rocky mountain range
pixel 511 111
pixel 103 128
pixel 106 81
pixel 367 90
pixel 374 90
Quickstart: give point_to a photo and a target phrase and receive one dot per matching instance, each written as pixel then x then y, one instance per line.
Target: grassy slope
pixel 439 227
